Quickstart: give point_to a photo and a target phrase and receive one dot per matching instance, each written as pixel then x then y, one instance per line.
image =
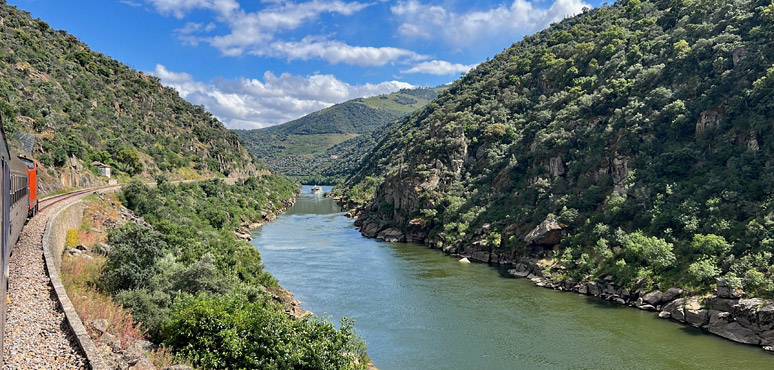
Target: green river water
pixel 419 309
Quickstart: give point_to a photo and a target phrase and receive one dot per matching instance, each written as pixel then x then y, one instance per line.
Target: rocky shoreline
pixel 246 228
pixel 726 313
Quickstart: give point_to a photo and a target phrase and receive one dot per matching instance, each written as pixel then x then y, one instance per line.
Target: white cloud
pixel 130 3
pixel 254 103
pixel 256 33
pixel 336 52
pixel 465 29
pixel 172 78
pixel 193 27
pixel 439 68
pixel 179 8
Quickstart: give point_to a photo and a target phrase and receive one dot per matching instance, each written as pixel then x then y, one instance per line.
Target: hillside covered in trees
pixel 632 143
pixel 325 146
pixel 69 106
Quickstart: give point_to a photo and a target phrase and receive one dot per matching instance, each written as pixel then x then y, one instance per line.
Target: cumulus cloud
pixel 420 20
pixel 252 31
pixel 257 32
pixel 179 8
pixel 439 68
pixel 336 52
pixel 255 103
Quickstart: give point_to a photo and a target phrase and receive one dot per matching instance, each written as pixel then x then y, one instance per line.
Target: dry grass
pixel 79 276
pixel 162 358
pixel 88 238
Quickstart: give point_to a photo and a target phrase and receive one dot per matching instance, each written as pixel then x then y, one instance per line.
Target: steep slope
pixel 70 106
pixel 305 148
pixel 631 142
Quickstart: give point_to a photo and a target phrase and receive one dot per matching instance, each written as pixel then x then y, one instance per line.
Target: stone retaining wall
pixel 54 239
pixel 55 235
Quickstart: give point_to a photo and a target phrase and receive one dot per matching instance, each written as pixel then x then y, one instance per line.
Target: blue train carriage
pixel 5 201
pixel 14 208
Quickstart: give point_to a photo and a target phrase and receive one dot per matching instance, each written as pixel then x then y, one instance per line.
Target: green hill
pixel 325 145
pixel 70 106
pixel 639 136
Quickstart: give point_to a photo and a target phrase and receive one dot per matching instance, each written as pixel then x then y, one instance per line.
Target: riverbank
pixel 419 309
pixel 725 314
pixel 163 263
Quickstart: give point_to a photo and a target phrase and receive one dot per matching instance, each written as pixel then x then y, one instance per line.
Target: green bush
pixel 151 308
pixel 201 276
pixel 704 271
pixel 649 251
pixel 132 262
pixel 711 245
pixel 226 332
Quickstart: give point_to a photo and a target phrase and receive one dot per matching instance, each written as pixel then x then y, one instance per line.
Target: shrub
pixel 710 244
pixel 200 276
pixel 149 308
pixel 227 332
pixel 71 239
pixel 756 283
pixel 649 251
pixel 132 262
pixel 704 271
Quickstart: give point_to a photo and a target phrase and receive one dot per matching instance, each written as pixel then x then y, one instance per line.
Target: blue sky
pixel 259 63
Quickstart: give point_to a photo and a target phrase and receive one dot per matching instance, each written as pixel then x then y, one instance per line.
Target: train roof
pixel 27 161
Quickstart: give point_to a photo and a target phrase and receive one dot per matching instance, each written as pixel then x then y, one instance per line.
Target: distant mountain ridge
pixel 323 146
pixel 75 106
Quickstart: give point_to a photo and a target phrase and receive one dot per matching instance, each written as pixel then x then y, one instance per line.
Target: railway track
pixel 52 200
pixel 36 333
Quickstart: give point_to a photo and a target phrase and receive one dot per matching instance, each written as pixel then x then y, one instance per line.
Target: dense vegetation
pixel 643 130
pixel 66 101
pixel 201 291
pixel 325 146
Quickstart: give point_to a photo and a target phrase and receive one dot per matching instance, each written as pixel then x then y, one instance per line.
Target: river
pixel 417 308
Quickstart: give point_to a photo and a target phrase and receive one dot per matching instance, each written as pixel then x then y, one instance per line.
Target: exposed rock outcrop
pixel 620 170
pixel 548 233
pixel 391 235
pixel 708 120
pixel 556 167
pixel 726 291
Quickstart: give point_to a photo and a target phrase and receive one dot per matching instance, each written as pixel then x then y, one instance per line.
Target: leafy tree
pixel 129 160
pixel 132 262
pixel 711 245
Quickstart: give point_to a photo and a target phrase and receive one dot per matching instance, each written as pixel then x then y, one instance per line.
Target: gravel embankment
pixel 37 335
